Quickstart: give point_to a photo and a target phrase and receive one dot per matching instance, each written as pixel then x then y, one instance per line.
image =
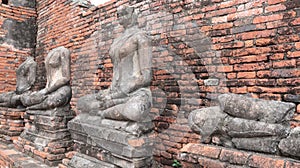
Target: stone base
pixel 46 136
pixel 108 141
pixel 81 160
pixel 11 124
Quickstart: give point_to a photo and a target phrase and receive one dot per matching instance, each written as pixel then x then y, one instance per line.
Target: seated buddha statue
pixel 128 98
pixel 57 92
pixel 26 74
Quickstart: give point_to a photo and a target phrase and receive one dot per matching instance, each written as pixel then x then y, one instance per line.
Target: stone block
pixel 81 160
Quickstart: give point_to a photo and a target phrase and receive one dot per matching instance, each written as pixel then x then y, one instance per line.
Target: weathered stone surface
pixel 248 123
pixel 81 160
pixel 128 97
pixel 116 120
pixel 111 139
pixel 256 109
pixel 291 144
pixel 24 3
pixel 20 34
pixel 26 74
pixel 269 145
pixel 211 82
pixel 57 92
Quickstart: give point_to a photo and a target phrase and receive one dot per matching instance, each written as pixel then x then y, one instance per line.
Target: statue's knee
pixel 136 111
pixel 87 103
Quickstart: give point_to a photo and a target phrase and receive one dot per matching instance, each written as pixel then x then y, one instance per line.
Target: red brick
pixel 206 28
pixel 275 8
pixel 251 66
pixel 270 96
pixel 263 161
pixel 239 90
pixel 246 75
pixel 220 12
pixel 231 75
pixel 297 45
pixel 234 157
pixel 222 26
pixel 272 2
pixel 225 68
pixel 205 162
pixel 262 19
pixel 246 13
pixel 220 19
pixel 248 59
pixel 55 157
pixel 202 150
pixel 294 54
pixel 292 164
pixel 70 154
pixel 256 34
pixel 277 56
pixel 284 64
pixel 296 21
pixel 259 89
pixel 276 24
pixel 248 43
pixel 40 154
pixel 263 41
pixel 263 74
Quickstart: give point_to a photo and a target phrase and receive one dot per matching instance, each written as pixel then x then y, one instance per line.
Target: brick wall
pixel 200 49
pixel 17 41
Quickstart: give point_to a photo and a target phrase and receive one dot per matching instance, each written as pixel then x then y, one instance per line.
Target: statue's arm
pixel 145 59
pixel 32 73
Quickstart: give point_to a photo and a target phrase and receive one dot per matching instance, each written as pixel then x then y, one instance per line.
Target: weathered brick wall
pixel 200 49
pixel 17 41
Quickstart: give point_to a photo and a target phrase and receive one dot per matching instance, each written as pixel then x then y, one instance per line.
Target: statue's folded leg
pixel 6 99
pixel 88 104
pixel 135 109
pixel 56 99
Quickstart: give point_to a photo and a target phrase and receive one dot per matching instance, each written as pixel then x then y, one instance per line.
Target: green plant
pixel 176 163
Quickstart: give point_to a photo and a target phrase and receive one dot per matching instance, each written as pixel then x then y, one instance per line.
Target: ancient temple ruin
pixel 134 84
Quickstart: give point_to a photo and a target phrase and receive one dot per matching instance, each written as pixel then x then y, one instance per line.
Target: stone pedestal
pixel 117 143
pixel 11 123
pixel 46 136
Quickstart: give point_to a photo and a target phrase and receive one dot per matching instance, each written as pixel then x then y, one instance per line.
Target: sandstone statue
pixel 116 120
pixel 128 98
pixel 26 74
pixel 247 123
pixel 57 92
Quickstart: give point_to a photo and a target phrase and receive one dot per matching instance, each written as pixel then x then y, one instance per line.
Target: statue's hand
pixel 37 98
pixel 102 95
pixel 43 91
pixel 99 96
pixel 105 103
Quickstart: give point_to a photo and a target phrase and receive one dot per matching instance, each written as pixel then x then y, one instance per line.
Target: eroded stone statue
pixel 117 120
pixel 57 91
pixel 247 123
pixel 128 98
pixel 26 74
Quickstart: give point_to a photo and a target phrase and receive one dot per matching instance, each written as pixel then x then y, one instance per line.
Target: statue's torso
pixel 124 53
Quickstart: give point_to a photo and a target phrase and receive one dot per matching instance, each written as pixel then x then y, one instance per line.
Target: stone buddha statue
pixel 26 74
pixel 128 98
pixel 57 91
pixel 247 123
